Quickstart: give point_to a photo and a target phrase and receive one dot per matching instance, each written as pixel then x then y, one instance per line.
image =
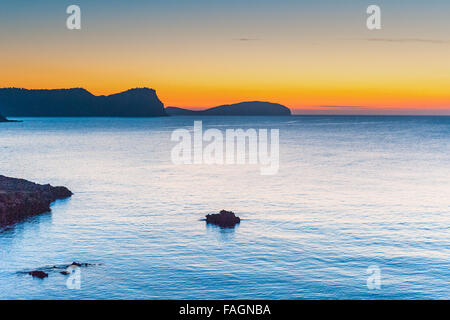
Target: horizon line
pixel 329 110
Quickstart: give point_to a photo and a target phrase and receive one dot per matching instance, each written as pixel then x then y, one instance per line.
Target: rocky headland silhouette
pixel 78 102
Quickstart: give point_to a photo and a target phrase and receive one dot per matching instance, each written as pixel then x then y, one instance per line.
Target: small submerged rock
pixel 4 119
pixel 78 264
pixel 74 265
pixel 64 269
pixel 224 219
pixel 38 274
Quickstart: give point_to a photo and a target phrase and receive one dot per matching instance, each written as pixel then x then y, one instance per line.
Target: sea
pixel 358 209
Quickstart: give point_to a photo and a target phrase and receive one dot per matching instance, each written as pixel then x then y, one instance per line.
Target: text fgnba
pixel 228 309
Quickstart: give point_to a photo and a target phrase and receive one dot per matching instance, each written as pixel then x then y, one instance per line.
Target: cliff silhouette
pixel 78 102
pixel 252 108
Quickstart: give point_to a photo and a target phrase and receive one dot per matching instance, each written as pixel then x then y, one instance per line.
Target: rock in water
pixel 38 274
pixel 20 199
pixel 3 119
pixel 224 219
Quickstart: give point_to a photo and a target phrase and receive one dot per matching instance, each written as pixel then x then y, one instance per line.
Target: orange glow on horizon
pixel 374 76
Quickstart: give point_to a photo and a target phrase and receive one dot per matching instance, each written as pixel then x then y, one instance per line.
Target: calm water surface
pixel 351 192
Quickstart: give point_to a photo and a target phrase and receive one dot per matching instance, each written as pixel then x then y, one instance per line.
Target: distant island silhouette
pixel 78 102
pixel 252 108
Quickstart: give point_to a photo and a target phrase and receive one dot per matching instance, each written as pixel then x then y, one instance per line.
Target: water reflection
pixel 223 234
pixel 14 230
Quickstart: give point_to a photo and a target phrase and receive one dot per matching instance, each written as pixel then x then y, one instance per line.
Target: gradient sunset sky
pixel 313 56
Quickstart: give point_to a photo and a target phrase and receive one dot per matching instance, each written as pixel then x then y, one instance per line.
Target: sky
pixel 315 56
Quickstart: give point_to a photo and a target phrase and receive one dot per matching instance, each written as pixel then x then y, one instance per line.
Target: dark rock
pixel 38 274
pixel 20 199
pixel 3 119
pixel 253 108
pixel 78 102
pixel 224 219
pixel 62 269
pixel 76 264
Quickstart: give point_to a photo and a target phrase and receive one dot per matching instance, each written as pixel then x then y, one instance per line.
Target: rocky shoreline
pixel 20 199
